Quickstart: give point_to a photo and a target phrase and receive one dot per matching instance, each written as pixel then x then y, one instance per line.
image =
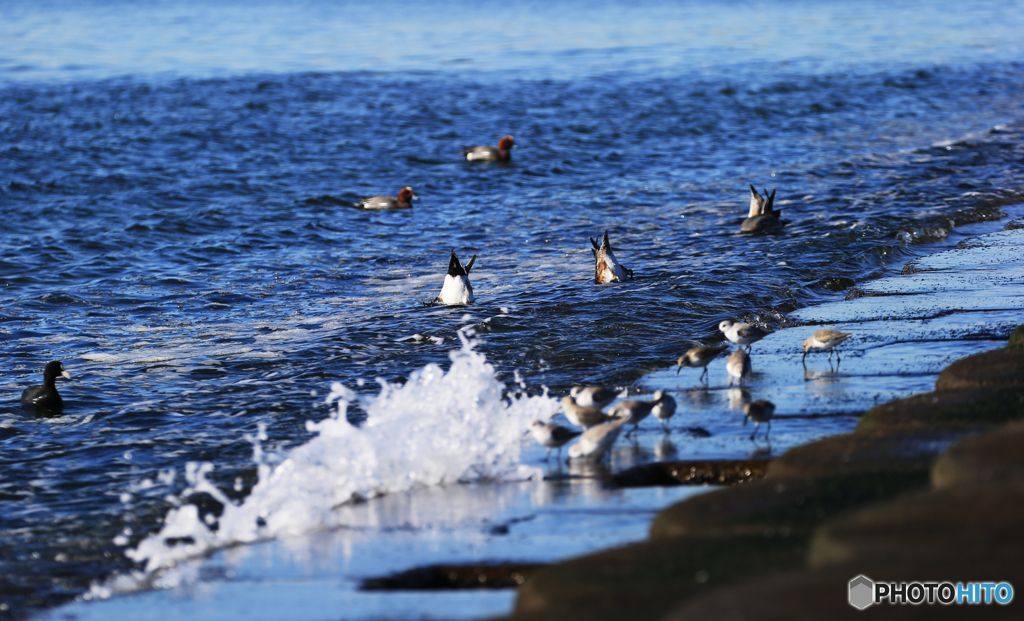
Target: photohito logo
pixel 864 592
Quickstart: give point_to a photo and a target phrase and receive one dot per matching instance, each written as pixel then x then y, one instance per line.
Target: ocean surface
pixel 177 183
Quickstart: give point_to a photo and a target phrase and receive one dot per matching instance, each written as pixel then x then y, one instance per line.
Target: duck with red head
pixel 46 395
pixel 402 201
pixel 501 153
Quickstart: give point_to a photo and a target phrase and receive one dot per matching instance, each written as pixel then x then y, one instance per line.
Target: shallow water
pixel 176 183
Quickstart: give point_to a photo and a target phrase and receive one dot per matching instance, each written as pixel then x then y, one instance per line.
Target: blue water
pixel 176 181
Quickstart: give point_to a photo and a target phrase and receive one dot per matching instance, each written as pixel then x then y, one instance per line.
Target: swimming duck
pixel 606 268
pixel 456 289
pixel 402 201
pixel 501 153
pixel 762 215
pixel 46 396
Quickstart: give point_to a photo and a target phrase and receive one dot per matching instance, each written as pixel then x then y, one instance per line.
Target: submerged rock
pixel 442 577
pixel 718 472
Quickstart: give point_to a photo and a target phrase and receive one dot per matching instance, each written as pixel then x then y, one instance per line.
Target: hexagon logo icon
pixel 862 592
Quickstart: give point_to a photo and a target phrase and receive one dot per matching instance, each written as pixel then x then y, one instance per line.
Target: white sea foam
pixel 439 427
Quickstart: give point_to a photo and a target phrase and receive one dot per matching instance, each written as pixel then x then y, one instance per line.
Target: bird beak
pixel 66 374
pixel 679 369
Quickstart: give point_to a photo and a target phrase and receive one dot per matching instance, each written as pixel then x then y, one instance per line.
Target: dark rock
pixel 1017 339
pixel 698 432
pixel 963 524
pixel 439 577
pixel 989 458
pixel 999 367
pixel 909 268
pixel 723 472
pixel 778 506
pixel 834 283
pixel 1017 223
pixel 645 580
pixel 812 595
pixel 901 453
pixel 967 409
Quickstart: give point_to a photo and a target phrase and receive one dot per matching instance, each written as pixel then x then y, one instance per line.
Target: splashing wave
pixel 437 428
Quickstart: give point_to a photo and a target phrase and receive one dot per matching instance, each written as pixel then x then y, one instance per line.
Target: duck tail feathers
pixel 455 266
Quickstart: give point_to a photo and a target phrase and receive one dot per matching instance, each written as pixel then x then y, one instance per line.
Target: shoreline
pixel 866 502
pixel 661 532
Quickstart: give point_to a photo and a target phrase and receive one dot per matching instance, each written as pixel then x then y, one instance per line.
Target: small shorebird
pixel 762 214
pixel 551 436
pixel 606 267
pixel 501 153
pixel 634 410
pixel 456 289
pixel 742 333
pixel 700 357
pixel 738 365
pixel 402 201
pixel 46 395
pixel 596 441
pixel 664 408
pixel 825 339
pixel 593 396
pixel 585 417
pixel 759 411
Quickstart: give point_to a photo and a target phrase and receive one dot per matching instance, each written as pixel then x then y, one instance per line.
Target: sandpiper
pixel 402 201
pixel 551 436
pixel 738 365
pixel 762 214
pixel 456 289
pixel 593 396
pixel 759 411
pixel 585 417
pixel 634 410
pixel 503 152
pixel 606 268
pixel 742 333
pixel 825 339
pixel 596 441
pixel 664 408
pixel 700 357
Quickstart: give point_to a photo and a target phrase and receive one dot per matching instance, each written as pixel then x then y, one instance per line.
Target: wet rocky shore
pixel 926 488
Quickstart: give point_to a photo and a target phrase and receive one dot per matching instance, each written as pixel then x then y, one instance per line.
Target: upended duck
pixel 46 395
pixel 456 289
pixel 762 215
pixel 607 269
